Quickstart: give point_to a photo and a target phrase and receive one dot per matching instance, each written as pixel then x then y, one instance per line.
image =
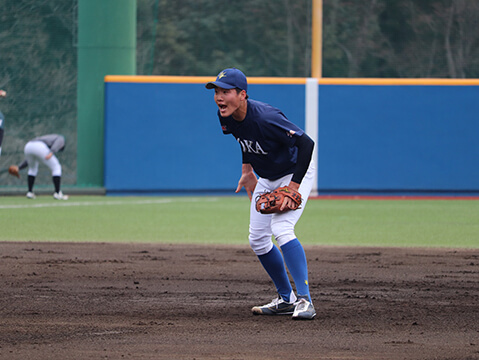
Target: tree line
pixel 368 38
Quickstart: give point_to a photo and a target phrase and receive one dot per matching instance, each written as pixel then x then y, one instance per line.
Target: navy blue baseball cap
pixel 229 79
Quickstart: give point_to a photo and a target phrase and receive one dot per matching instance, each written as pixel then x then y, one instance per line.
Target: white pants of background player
pixel 35 153
pixel 281 225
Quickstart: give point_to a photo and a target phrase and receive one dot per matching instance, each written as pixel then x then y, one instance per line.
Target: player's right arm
pixel 248 180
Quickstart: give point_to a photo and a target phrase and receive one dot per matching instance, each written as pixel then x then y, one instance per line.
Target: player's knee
pixel 57 171
pixel 286 238
pixel 260 245
pixel 283 232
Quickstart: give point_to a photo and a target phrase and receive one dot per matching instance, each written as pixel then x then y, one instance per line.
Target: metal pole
pixel 316 39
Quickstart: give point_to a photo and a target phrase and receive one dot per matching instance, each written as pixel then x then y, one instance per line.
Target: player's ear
pixel 243 95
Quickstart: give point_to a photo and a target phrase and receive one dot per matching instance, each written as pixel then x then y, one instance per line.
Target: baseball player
pixel 42 149
pixel 280 154
pixel 3 93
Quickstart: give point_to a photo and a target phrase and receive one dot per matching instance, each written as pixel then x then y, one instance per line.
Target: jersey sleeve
pixel 23 165
pixel 305 147
pixel 283 130
pixel 58 144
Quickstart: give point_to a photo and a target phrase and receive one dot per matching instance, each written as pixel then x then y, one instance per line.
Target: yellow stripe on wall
pixel 158 79
pixel 291 81
pixel 199 79
pixel 382 81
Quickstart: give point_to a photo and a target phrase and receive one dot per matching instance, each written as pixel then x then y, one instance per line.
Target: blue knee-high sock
pixel 295 259
pixel 273 263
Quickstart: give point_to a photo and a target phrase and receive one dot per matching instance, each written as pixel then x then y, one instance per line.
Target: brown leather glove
pixel 13 170
pixel 271 202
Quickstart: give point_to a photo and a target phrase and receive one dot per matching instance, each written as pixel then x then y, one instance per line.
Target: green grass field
pixel 224 220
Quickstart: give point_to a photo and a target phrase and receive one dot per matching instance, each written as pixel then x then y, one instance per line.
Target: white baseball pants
pixel 35 152
pixel 281 226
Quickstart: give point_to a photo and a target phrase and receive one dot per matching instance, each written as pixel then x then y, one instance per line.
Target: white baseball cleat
pixel 60 196
pixel 276 307
pixel 30 195
pixel 304 310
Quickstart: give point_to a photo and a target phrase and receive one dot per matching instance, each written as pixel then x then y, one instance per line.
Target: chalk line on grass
pixel 100 203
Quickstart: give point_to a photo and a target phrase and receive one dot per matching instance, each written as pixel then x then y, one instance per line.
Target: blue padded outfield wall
pixel 419 138
pixel 162 134
pixel 167 137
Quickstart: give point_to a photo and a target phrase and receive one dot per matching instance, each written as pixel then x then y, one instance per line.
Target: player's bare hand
pixel 248 180
pixel 3 93
pixel 50 154
pixel 294 185
pixel 289 203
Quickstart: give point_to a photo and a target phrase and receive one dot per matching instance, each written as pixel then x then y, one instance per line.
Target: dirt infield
pixel 131 301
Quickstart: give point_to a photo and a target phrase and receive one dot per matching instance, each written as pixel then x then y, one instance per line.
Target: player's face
pixel 230 102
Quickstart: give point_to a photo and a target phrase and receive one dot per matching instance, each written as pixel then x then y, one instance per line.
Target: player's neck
pixel 240 112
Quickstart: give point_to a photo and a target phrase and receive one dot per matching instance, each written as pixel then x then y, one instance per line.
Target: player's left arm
pixel 305 147
pixel 57 145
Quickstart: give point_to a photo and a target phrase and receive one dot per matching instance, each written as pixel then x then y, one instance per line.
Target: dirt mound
pixel 154 301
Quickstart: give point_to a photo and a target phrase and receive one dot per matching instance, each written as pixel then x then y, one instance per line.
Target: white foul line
pixel 93 203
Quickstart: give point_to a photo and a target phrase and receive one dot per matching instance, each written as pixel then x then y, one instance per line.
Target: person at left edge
pixel 42 149
pixel 3 93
